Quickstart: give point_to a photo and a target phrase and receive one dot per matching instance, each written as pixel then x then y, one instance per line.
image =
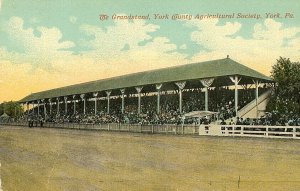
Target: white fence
pixel 292 132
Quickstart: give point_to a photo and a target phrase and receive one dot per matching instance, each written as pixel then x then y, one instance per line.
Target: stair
pixel 251 111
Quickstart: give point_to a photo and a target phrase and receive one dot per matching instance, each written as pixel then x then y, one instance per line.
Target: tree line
pixel 286 94
pixel 11 108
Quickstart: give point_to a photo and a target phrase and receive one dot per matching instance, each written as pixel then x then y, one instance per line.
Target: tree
pixel 286 97
pixel 13 109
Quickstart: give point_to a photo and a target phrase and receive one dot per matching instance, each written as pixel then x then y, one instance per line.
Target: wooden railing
pixel 251 131
pixel 137 128
pixel 292 132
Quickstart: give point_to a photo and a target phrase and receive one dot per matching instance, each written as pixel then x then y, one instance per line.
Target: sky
pixel 49 44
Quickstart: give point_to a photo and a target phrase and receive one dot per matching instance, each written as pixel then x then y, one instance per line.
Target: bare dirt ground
pixel 71 160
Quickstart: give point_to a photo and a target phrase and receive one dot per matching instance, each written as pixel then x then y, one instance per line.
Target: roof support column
pixel 256 82
pixel 158 88
pixel 95 94
pixel 23 109
pixel 74 104
pixel 32 105
pixel 57 106
pixel 45 112
pixel 181 86
pixel 122 92
pixel 33 108
pixel 236 81
pixel 82 96
pixel 206 83
pixel 27 104
pixel 38 107
pixel 50 105
pixel 19 111
pixel 66 104
pixel 108 99
pixel 139 90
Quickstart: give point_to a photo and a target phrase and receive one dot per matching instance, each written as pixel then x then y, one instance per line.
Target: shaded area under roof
pixel 201 70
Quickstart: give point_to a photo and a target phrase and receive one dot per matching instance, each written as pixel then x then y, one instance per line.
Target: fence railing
pixel 251 131
pixel 138 128
pixel 292 132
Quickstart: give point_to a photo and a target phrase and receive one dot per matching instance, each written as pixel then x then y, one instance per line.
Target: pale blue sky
pixel 57 13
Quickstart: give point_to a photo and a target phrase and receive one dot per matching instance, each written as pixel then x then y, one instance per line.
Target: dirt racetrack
pixel 40 159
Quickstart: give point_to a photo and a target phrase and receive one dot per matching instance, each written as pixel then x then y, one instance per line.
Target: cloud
pixel 111 39
pixel 268 41
pixel 39 46
pixel 34 20
pixel 106 56
pixel 107 47
pixel 183 47
pixel 73 19
pixel 213 36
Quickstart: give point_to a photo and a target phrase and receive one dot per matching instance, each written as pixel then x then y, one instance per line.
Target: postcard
pixel 149 95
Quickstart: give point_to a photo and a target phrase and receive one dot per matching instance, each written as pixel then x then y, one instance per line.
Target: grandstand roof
pixel 201 70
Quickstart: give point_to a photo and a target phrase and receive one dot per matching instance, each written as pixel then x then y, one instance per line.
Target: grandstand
pixel 223 85
pixel 169 100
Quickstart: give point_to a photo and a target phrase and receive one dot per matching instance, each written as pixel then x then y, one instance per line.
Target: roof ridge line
pixel 115 77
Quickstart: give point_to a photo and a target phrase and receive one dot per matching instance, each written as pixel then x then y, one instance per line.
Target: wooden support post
pixel 50 107
pixel 294 132
pixel 74 106
pixel 236 81
pixel 82 96
pixel 66 104
pixel 57 106
pixel 108 100
pixel 158 89
pixel 206 98
pixel 27 104
pixel 256 82
pixel 95 94
pixel 180 86
pixel 45 112
pixel 38 105
pixel 123 100
pixel 139 90
pixel 206 83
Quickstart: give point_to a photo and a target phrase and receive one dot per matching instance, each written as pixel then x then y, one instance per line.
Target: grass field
pixel 71 160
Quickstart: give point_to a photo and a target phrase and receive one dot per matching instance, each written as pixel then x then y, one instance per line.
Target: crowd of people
pixel 270 119
pixel 221 101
